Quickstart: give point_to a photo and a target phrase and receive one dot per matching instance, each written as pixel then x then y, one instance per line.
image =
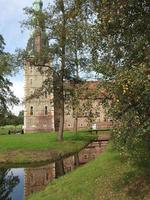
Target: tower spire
pixel 38 40
pixel 38 5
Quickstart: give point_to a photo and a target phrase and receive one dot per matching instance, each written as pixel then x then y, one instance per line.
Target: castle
pixel 40 114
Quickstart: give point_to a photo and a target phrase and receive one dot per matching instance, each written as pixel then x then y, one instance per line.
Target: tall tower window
pixel 31 110
pixel 46 110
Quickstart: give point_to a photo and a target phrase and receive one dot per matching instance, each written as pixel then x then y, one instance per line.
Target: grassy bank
pixel 39 147
pixel 106 178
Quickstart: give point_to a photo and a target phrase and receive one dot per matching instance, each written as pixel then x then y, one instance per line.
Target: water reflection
pixel 59 168
pixel 37 178
pixel 16 184
pixel 8 181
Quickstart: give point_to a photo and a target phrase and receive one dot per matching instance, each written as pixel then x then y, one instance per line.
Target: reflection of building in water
pixel 37 178
pixel 92 151
pixel 69 164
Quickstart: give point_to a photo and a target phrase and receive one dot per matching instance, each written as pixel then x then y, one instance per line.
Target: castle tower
pixel 38 112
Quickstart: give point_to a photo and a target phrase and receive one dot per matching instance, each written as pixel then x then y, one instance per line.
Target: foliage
pixel 21 117
pixel 7 66
pixel 119 48
pixel 11 119
pixel 82 100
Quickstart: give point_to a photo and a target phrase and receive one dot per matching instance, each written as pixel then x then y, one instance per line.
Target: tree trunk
pixel 58 107
pixel 56 87
pixel 61 100
pixel 76 159
pixel 59 168
pixel 76 92
pixel 56 102
pixel 61 119
pixel 76 124
pixel 62 73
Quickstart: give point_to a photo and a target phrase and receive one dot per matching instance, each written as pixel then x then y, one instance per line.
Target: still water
pixel 18 183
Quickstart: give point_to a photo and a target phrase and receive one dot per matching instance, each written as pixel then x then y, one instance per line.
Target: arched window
pixel 46 110
pixel 31 110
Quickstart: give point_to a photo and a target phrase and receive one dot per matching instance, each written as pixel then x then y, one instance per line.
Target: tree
pixel 11 119
pixel 21 117
pixel 82 100
pixel 61 24
pixel 7 182
pixel 77 56
pixel 7 67
pixel 120 52
pixel 68 50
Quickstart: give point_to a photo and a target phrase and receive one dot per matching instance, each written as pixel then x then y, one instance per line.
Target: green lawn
pixel 39 146
pixel 106 178
pixel 4 129
pixel 41 141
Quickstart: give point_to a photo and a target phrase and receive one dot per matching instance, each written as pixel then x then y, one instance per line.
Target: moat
pixel 19 183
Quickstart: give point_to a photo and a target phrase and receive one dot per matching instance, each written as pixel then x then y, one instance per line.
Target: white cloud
pixel 18 89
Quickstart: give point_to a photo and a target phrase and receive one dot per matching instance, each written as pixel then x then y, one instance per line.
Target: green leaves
pixel 122 43
pixel 7 67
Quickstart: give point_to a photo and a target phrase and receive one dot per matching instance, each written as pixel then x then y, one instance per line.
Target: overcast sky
pixel 10 18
